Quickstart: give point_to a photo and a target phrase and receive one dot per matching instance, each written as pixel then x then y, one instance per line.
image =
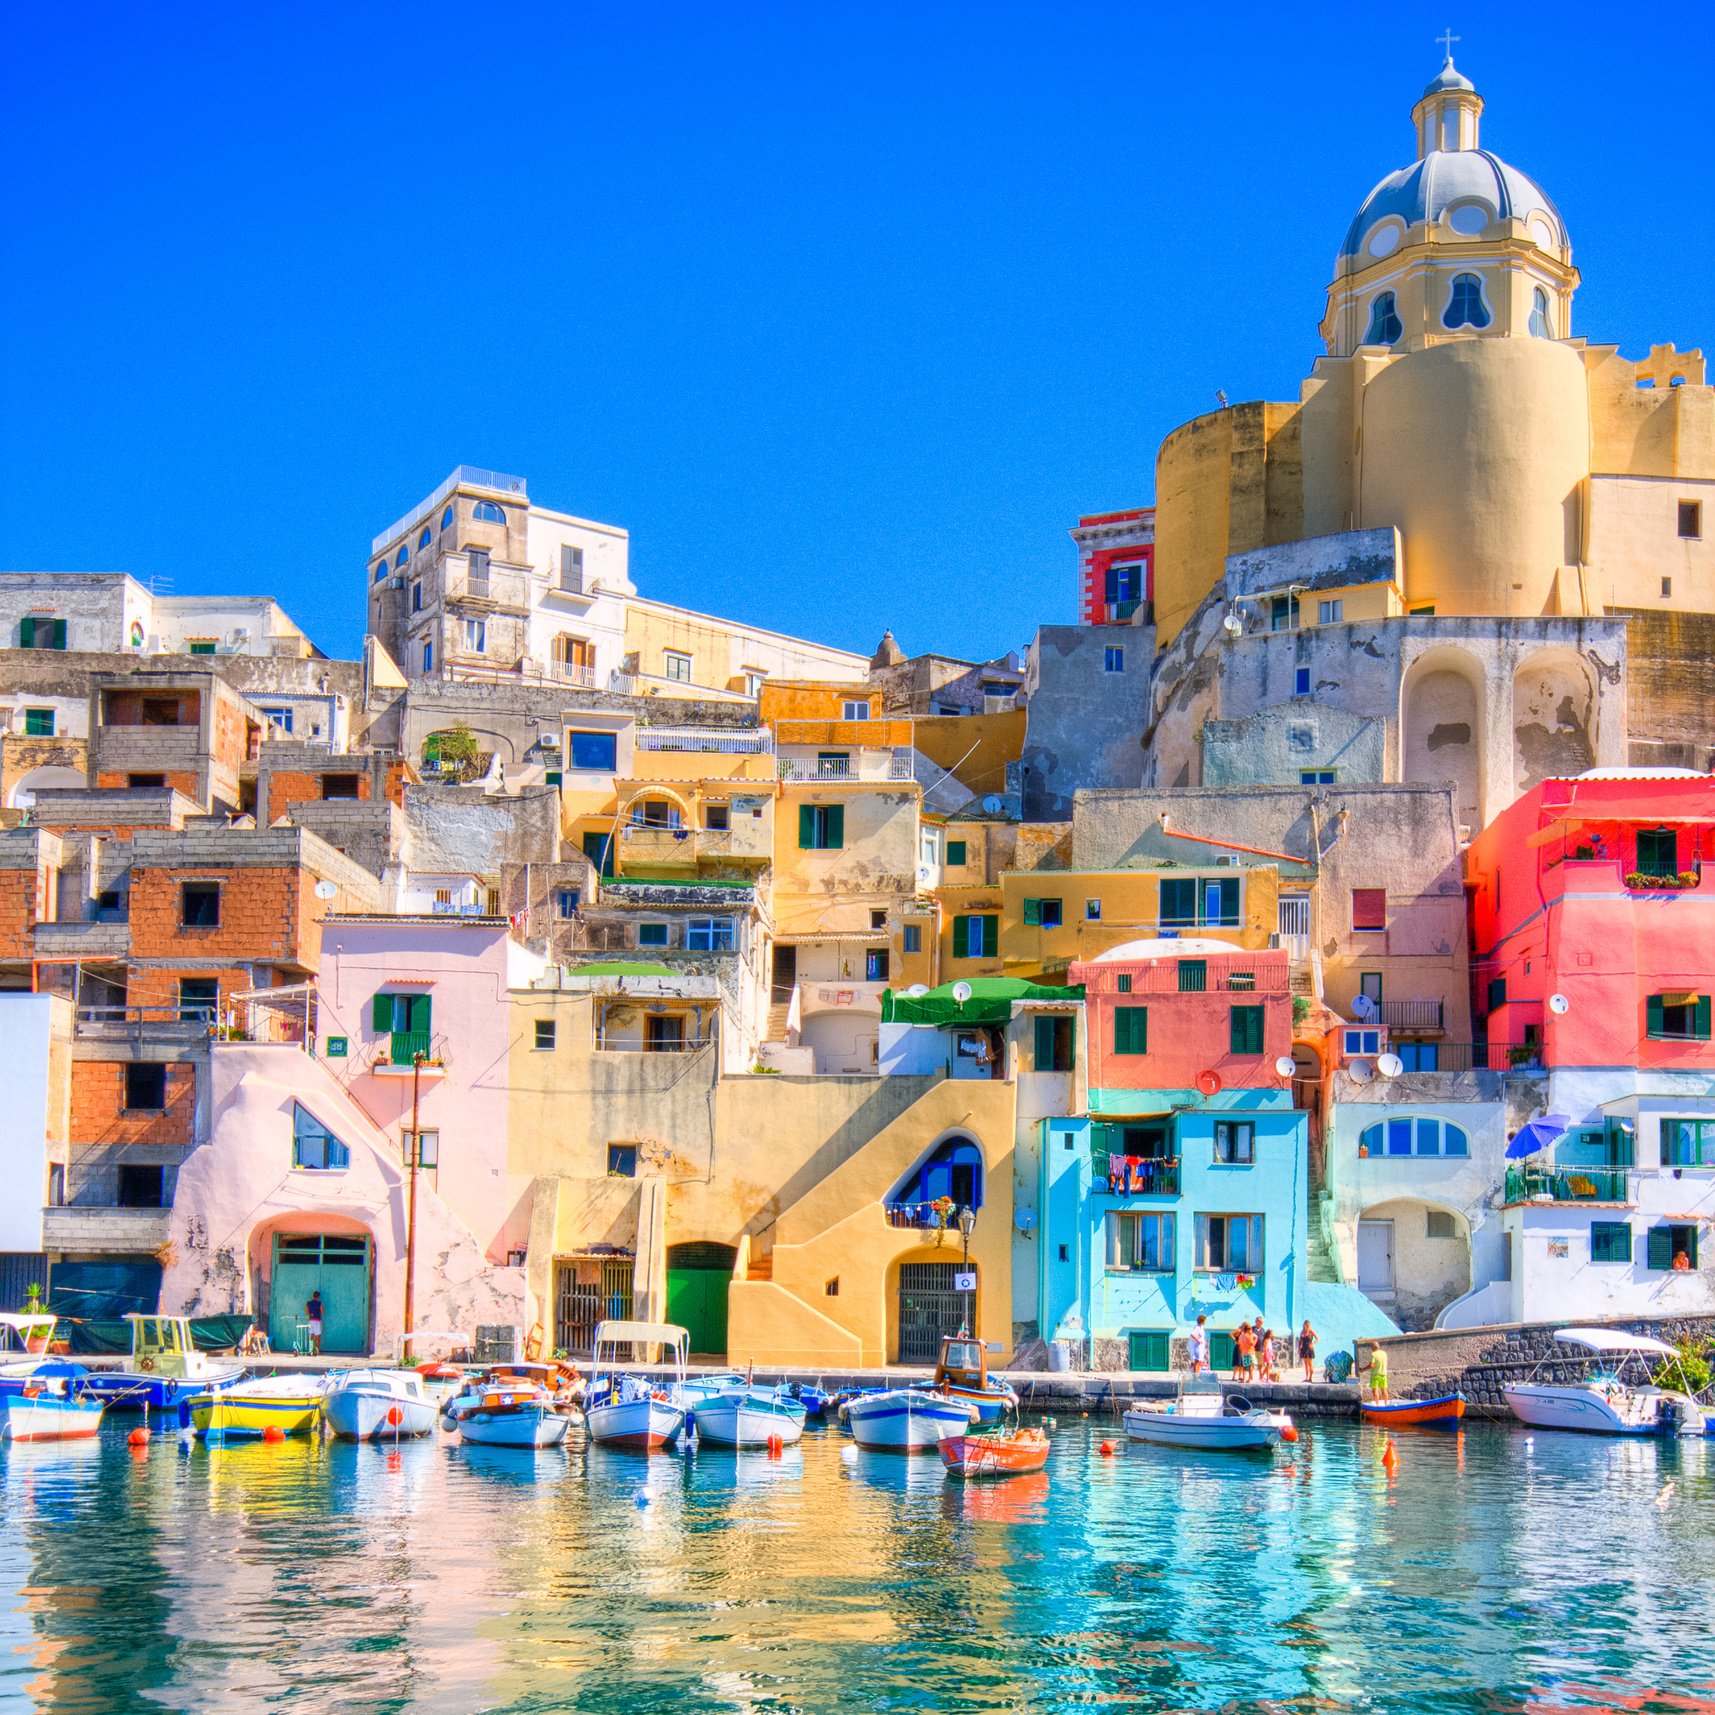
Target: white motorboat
pixel 906 1419
pixel 1603 1401
pixel 50 1408
pixel 377 1405
pixel 1202 1415
pixel 750 1417
pixel 693 1392
pixel 641 1412
pixel 509 1417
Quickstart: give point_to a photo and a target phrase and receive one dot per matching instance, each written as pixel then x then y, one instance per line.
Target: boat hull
pixel 1589 1411
pixel 734 1421
pixel 247 1413
pixel 48 1417
pixel 975 1456
pixel 1442 1413
pixel 1254 1431
pixel 641 1424
pixel 906 1420
pixel 529 1426
pixel 131 1390
pixel 359 1414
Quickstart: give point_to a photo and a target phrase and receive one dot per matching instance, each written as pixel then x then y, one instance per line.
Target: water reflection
pixel 1487 1569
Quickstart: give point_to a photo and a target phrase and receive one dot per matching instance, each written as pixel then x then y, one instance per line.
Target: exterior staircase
pixel 775 1030
pixel 761 1267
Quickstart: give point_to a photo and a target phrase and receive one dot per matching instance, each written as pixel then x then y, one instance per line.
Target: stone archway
pixel 1426 1250
pixel 1553 719
pixel 1443 729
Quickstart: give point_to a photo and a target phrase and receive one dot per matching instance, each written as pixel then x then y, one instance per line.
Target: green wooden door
pixel 697 1279
pixel 335 1264
pixel 1150 1349
pixel 1220 1350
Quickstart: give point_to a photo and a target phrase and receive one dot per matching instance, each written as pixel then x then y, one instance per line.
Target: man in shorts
pixel 1244 1353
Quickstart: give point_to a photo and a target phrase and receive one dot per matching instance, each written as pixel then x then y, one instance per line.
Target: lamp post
pixel 967 1220
pixel 415 1148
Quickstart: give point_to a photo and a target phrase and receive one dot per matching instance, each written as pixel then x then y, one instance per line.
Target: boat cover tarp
pixel 991 1002
pixel 113 1339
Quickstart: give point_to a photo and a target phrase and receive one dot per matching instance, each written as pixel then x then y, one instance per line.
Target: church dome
pixel 1453 180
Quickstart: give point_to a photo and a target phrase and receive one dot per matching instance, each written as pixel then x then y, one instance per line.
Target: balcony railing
pixel 192 1020
pixel 406 1045
pixel 924 1216
pixel 1567 1185
pixel 570 674
pixel 1132 1176
pixel 1412 1014
pixel 1200 976
pixel 706 741
pixel 607 1044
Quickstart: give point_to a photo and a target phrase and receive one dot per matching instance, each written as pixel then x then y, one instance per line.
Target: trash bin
pixel 1059 1354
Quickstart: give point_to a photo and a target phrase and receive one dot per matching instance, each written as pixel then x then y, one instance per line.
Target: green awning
pixel 991 1002
pixel 622 968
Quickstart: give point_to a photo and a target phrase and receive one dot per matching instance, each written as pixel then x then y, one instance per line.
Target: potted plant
pixel 35 1341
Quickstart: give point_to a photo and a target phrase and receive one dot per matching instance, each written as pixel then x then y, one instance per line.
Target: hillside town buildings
pixel 1214 951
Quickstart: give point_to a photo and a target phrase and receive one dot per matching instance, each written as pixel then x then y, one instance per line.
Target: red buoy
pixel 138 1438
pixel 776 1447
pixel 1107 1449
pixel 394 1416
pixel 273 1433
pixel 1289 1433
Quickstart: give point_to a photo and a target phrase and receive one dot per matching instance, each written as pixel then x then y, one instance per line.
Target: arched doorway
pixel 698 1276
pixel 337 1267
pixel 934 1301
pixel 1414 1258
pixel 49 777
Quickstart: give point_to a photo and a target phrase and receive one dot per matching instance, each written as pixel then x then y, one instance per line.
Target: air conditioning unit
pixel 394 584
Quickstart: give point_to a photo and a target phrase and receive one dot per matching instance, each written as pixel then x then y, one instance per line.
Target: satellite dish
pixel 1024 1219
pixel 992 806
pixel 961 992
pixel 1286 1065
pixel 917 991
pixel 1233 625
pixel 1361 1071
pixel 1363 1006
pixel 1389 1065
pixel 327 890
pixel 1209 1083
pixel 1559 1005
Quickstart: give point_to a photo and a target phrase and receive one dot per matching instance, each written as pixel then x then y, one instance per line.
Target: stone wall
pixel 1480 1362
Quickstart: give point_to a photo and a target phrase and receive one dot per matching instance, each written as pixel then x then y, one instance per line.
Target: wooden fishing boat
pixel 522 1417
pixel 377 1405
pixel 640 1412
pixel 1003 1455
pixel 1442 1413
pixel 1204 1416
pixel 246 1411
pixel 963 1373
pixel 49 1410
pixel 906 1419
pixel 166 1369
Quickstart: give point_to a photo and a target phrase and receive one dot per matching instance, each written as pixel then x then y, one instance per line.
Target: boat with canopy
pixel 1617 1394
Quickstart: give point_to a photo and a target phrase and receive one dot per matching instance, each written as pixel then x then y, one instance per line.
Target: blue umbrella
pixel 1537 1134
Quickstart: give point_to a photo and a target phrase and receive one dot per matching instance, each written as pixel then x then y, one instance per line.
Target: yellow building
pixel 1527 472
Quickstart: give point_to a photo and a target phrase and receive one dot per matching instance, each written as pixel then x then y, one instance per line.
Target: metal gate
pixel 930 1306
pixel 588 1290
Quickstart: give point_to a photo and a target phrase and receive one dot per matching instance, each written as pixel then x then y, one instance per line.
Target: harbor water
pixel 1492 1570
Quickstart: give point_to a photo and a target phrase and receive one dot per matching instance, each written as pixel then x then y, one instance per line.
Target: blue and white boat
pixel 906 1419
pixel 695 1389
pixel 963 1374
pixel 750 1417
pixel 166 1369
pixel 49 1408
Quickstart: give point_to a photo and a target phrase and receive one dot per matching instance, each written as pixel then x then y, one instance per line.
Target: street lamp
pixel 416 1145
pixel 967 1220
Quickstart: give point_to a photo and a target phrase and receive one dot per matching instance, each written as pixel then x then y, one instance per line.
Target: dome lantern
pixel 1448 113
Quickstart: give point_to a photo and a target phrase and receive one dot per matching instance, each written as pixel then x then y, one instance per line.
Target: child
pixel 1268 1370
pixel 1244 1354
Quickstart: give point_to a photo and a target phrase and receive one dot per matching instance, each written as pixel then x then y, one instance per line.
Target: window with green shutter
pixel 955 854
pixel 38 723
pixel 1131 1029
pixel 1178 904
pixel 1668 1242
pixel 1678 1017
pixel 976 936
pixel 36 631
pixel 1611 1241
pixel 1054 1042
pixel 1658 851
pixel 1246 1030
pixel 1042 913
pixel 821 827
pixel 1193 976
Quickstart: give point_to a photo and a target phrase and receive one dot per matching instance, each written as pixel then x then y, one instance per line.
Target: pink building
pixel 1593 923
pixel 1194 1016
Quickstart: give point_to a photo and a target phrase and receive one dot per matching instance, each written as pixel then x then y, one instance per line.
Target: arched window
pixel 1465 306
pixel 488 513
pixel 954 1171
pixel 380 570
pixel 1540 326
pixel 423 540
pixel 1423 1135
pixel 447 519
pixel 1385 325
pixel 402 556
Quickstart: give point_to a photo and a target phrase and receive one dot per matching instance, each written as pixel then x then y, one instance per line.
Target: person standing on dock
pixel 1197 1347
pixel 313 1316
pixel 1244 1354
pixel 1378 1376
pixel 1307 1350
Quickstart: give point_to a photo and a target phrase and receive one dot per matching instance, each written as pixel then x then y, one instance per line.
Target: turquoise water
pixel 1492 1571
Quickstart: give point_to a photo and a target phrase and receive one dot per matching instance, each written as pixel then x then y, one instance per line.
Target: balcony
pixel 1142 1176
pixel 1417 1015
pixel 568 673
pixel 706 741
pixel 926 1217
pixel 87 1227
pixel 609 1043
pixel 173 1024
pixel 398 1055
pixel 864 765
pixel 1564 1184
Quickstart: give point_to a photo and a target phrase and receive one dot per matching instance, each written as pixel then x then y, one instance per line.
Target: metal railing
pixel 706 741
pixel 819 768
pixel 1567 1185
pixel 407 1045
pixel 1138 1176
pixel 1197 976
pixel 1412 1014
pixel 105 1020
pixel 569 673
pixel 900 766
pixel 660 1045
pixel 923 1215
pixel 466 476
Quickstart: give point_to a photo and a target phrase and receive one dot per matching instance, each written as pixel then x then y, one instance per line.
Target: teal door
pixel 697 1279
pixel 334 1264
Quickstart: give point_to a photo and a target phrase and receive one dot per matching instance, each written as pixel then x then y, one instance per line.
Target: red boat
pixel 1443 1413
pixel 1007 1455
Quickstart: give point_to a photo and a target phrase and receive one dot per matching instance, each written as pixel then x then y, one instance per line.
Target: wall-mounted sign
pixel 965 1282
pixel 338 1047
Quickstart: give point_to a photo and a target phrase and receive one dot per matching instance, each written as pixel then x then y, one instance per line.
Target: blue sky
pixel 845 312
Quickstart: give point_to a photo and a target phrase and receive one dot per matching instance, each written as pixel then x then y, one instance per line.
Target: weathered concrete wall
pixel 1278 745
pixel 1085 723
pixel 451 831
pixel 1317 562
pixel 1670 686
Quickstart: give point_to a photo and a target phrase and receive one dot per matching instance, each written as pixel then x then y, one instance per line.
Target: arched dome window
pixel 380 570
pixel 447 519
pixel 402 556
pixel 488 513
pixel 1385 326
pixel 1465 306
pixel 954 1170
pixel 423 540
pixel 1540 325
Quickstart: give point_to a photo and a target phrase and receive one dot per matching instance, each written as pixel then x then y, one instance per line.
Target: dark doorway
pixel 785 973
